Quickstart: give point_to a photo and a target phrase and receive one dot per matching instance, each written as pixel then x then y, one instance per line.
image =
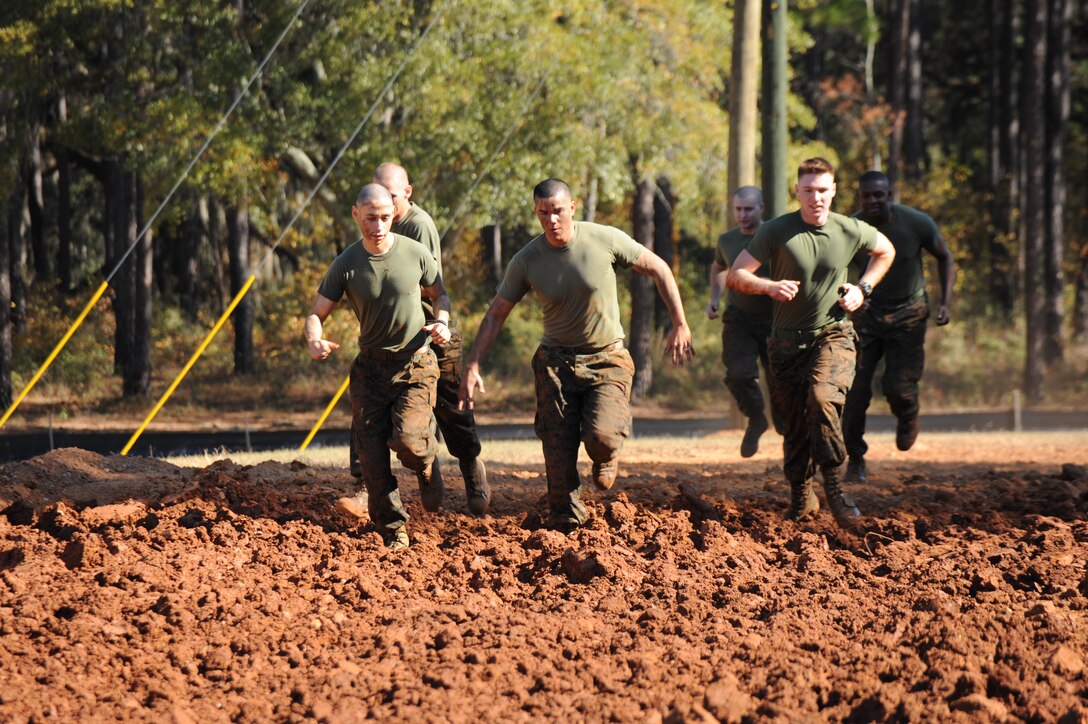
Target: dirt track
pixel 133 589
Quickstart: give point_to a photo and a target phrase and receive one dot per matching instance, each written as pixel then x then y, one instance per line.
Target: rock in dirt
pixel 981 706
pixel 1066 662
pixel 725 700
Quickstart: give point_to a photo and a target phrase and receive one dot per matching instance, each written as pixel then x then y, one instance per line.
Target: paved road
pixel 19 445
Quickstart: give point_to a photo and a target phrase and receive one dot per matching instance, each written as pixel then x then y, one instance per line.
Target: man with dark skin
pixel 746 321
pixel 393 379
pixel 812 349
pixel 891 325
pixel 583 373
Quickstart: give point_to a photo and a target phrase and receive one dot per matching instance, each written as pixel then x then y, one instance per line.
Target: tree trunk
pixel 123 284
pixel 1057 120
pixel 999 281
pixel 775 193
pixel 664 243
pixel 6 397
pixel 138 374
pixel 642 287
pixel 589 208
pixel 64 206
pixel 188 259
pixel 238 252
pixel 898 90
pixel 35 203
pixel 16 222
pixel 1080 303
pixel 872 32
pixel 914 147
pixel 491 242
pixel 1034 129
pixel 743 94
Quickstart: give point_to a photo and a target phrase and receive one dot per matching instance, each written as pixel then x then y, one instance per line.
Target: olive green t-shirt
pixel 417 224
pixel 576 285
pixel 910 231
pixel 815 256
pixel 730 245
pixel 384 292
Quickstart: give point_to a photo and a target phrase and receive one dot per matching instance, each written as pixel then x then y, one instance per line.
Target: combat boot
pixel 431 488
pixel 856 471
pixel 906 432
pixel 604 474
pixel 803 501
pixel 476 487
pixel 842 508
pixel 757 425
pixel 396 539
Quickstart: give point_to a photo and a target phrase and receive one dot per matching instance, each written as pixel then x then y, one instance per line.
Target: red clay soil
pixel 132 589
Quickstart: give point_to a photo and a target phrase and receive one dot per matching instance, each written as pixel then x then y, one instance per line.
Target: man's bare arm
pixel 489 330
pixel 313 330
pixel 678 345
pixel 946 271
pixel 717 284
pixel 742 277
pixel 880 260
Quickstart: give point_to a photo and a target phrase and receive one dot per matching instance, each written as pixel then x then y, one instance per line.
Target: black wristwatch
pixel 866 289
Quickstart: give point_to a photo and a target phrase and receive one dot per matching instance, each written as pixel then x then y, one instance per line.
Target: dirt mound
pixel 133 589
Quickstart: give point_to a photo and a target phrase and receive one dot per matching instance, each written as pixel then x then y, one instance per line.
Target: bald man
pixel 384 277
pixel 458 426
pixel 746 321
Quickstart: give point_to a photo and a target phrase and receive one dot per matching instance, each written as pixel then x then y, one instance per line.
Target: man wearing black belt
pixel 393 379
pixel 583 374
pixel 892 322
pixel 812 349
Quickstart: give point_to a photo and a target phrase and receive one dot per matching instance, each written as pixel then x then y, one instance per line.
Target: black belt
pixel 806 335
pixel 389 355
pixel 615 346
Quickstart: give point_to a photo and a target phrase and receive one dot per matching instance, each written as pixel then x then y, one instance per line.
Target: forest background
pixel 976 110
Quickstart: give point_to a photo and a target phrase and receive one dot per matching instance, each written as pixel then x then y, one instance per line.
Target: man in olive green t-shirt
pixel 583 374
pixel 458 427
pixel 746 321
pixel 393 378
pixel 812 350
pixel 892 323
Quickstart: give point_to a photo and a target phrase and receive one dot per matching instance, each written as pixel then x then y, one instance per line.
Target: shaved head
pixel 550 188
pixel 390 172
pixel 373 192
pixel 749 193
pixel 395 179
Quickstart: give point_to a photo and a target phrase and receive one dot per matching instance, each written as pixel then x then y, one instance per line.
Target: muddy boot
pixel 803 501
pixel 846 513
pixel 604 474
pixel 431 488
pixel 476 488
pixel 906 432
pixel 757 425
pixel 354 507
pixel 396 539
pixel 856 471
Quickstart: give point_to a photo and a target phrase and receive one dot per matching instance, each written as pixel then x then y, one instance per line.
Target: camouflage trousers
pixel 392 402
pixel 896 334
pixel 580 398
pixel 458 427
pixel 744 347
pixel 809 382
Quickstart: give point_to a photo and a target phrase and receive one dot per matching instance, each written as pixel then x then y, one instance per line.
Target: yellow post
pixel 189 365
pixel 56 350
pixel 325 415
